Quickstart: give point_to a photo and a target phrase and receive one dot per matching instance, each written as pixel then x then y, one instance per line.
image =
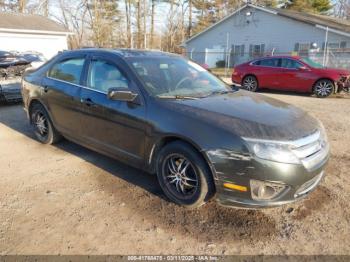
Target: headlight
pixel 273 151
pixel 261 190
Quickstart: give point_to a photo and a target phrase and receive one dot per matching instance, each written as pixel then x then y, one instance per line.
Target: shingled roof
pixel 315 19
pixel 30 23
pixel 339 26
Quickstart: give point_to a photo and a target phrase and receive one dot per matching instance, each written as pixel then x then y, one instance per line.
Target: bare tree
pixel 153 7
pixel 127 4
pixel 342 9
pixel 22 6
pixel 74 17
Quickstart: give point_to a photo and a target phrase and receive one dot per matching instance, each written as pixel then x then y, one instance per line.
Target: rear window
pixel 68 70
pixel 274 62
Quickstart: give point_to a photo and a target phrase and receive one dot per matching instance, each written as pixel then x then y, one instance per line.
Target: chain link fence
pixel 222 63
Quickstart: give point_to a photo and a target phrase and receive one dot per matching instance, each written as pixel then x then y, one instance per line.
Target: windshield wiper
pixel 220 92
pixel 178 97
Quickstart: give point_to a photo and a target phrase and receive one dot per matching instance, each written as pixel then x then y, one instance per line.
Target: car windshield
pixel 312 63
pixel 175 77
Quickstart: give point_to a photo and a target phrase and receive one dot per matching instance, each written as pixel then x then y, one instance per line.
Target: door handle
pixel 46 88
pixel 88 102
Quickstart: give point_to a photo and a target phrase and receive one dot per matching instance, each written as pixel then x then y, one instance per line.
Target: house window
pixel 238 50
pixel 257 50
pixel 304 47
pixel 333 45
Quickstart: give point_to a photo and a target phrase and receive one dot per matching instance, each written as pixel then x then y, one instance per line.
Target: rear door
pixel 62 93
pixel 114 127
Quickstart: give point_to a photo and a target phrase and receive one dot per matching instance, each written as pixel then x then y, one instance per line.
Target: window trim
pixel 98 57
pixel 84 57
pixel 266 58
pixel 297 61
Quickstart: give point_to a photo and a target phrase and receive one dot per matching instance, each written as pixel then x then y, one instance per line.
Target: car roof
pixel 124 53
pixel 281 56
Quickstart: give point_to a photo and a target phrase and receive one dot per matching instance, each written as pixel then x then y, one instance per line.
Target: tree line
pixel 153 24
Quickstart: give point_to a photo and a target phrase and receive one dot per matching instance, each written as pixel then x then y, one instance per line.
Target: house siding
pixel 274 31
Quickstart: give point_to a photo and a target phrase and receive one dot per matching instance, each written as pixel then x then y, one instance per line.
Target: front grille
pixel 311 150
pixel 308 186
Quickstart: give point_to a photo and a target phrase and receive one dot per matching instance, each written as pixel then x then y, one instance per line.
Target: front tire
pixel 44 130
pixel 184 176
pixel 323 88
pixel 250 83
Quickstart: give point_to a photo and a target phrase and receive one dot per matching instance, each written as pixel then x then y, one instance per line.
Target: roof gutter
pixel 42 32
pixel 333 30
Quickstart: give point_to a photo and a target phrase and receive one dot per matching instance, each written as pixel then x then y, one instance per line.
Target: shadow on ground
pixel 291 93
pixel 208 223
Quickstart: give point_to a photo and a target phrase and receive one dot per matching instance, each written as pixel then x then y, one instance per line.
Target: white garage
pixel 24 32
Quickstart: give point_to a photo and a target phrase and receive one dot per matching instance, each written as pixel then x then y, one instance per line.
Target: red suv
pixel 291 73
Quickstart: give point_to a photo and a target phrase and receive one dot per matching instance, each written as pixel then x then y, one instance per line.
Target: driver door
pixel 114 127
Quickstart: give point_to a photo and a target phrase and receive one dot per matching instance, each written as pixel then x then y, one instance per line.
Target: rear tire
pixel 323 88
pixel 44 130
pixel 250 83
pixel 184 176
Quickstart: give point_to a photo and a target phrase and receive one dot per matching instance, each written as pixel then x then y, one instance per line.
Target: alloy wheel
pixel 180 176
pixel 250 83
pixel 323 88
pixel 41 124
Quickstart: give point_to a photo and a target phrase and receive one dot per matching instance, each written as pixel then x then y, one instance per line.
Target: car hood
pixel 250 115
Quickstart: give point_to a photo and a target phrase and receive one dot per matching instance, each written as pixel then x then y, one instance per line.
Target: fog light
pixel 261 190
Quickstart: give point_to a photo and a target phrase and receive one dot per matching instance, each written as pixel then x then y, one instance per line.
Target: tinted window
pixel 269 62
pixel 68 70
pixel 104 75
pixel 290 63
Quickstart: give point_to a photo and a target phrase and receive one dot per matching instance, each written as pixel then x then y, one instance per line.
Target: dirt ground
pixel 66 199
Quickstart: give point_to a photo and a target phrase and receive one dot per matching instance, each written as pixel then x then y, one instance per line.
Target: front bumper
pixel 343 84
pixel 239 171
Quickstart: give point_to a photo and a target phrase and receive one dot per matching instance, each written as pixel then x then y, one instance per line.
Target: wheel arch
pixel 162 142
pixel 35 101
pixel 323 78
pixel 250 74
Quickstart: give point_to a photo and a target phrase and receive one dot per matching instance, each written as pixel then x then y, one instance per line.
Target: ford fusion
pixel 169 116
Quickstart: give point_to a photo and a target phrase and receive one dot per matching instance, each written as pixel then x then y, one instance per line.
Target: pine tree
pixel 315 6
pixel 321 6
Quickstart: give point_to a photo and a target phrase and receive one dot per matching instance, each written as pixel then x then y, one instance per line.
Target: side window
pixel 257 62
pixel 269 62
pixel 290 63
pixel 68 70
pixel 104 75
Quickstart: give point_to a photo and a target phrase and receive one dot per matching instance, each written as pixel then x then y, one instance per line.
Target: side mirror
pixel 303 68
pixel 121 95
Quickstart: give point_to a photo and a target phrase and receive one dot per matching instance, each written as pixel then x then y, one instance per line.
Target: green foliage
pixel 267 3
pixel 220 63
pixel 209 12
pixel 315 6
pixel 321 6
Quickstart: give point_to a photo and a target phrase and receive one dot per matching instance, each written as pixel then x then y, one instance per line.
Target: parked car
pixel 34 58
pixel 8 59
pixel 291 73
pixel 167 115
pixel 12 64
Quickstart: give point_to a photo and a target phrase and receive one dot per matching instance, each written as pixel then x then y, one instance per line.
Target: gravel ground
pixel 66 199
